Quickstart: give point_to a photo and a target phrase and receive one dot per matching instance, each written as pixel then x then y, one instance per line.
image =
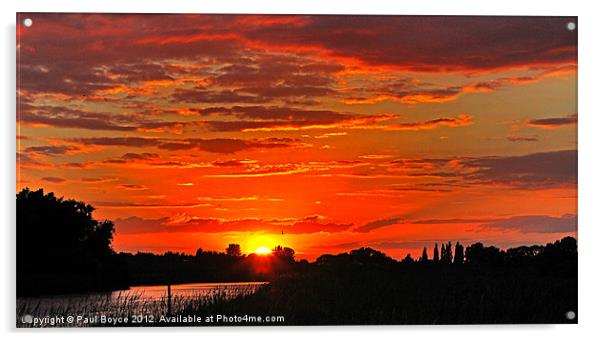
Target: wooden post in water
pixel 168 299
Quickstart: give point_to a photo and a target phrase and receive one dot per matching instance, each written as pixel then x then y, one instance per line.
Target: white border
pixel 589 163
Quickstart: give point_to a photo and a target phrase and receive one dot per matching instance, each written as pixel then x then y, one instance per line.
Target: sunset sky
pixel 322 133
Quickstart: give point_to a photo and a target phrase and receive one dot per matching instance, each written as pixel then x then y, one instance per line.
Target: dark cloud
pixel 285 91
pixel 229 163
pixel 275 76
pixel 452 221
pixel 53 179
pixel 140 142
pixel 526 223
pixel 229 146
pixel 522 139
pixel 219 145
pixel 139 156
pixel 97 180
pixel 537 224
pixel 137 225
pixel 23 158
pixel 141 72
pixel 459 43
pixel 459 121
pixel 69 77
pixel 118 52
pixel 409 93
pixel 377 224
pixel 133 187
pixel 51 150
pixel 532 171
pixel 286 114
pixel 554 122
pixel 302 227
pixel 123 204
pixel 272 117
pixel 249 118
pixel 539 170
pixel 200 95
pixel 418 188
pixel 63 117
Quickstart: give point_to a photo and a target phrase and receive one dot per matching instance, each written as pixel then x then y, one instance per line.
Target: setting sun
pixel 262 250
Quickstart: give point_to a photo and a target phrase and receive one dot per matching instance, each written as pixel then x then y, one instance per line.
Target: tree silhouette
pixel 367 255
pixel 233 250
pixel 446 253
pixel 567 246
pixel 60 242
pixel 436 253
pixel 459 254
pixel 408 259
pixel 284 252
pixel 479 254
pixel 425 256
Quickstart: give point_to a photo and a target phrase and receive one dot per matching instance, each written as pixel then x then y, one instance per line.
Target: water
pixel 157 292
pixel 136 300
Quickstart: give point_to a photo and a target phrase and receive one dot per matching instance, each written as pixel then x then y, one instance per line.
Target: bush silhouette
pixel 61 247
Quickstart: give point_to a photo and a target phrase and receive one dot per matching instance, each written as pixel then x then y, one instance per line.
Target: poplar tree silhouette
pixel 436 253
pixel 425 256
pixel 446 253
pixel 459 254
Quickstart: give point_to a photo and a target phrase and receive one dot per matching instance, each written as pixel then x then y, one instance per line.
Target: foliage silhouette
pixel 62 248
pixel 285 253
pixel 436 254
pixel 233 250
pixel 459 254
pixel 425 256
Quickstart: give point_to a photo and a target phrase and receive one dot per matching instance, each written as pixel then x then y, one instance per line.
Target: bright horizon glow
pixel 263 250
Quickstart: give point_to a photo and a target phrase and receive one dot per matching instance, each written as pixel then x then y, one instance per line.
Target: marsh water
pixel 189 290
pixel 136 300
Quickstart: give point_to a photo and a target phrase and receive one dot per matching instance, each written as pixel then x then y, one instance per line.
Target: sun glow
pixel 262 250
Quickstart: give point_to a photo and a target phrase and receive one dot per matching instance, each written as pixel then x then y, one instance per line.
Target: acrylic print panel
pixel 178 170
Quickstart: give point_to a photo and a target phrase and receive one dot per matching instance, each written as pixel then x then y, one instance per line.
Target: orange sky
pixel 322 133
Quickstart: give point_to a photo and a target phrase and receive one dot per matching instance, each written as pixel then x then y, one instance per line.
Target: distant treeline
pixel 208 266
pixel 212 266
pixel 529 284
pixel 534 284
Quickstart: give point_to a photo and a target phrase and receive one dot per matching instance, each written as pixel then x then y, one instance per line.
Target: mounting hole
pixel 27 22
pixel 570 315
pixel 571 26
